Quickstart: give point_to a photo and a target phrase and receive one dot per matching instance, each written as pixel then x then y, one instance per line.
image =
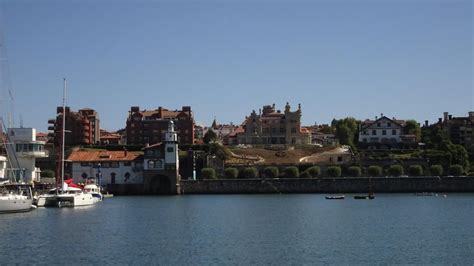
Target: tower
pixel 171 147
pixel 161 165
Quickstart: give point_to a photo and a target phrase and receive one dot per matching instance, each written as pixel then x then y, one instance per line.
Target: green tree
pixel 219 150
pixel 210 136
pixel 458 153
pixel 456 170
pixel 395 170
pixel 208 173
pixel 231 173
pixel 249 172
pixel 334 171
pixel 314 171
pixel 271 172
pixel 354 171
pixel 291 172
pixel 346 130
pixel 436 169
pixel 415 170
pixel 413 128
pixel 374 170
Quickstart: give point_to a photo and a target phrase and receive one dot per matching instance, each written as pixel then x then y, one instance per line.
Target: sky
pixel 405 59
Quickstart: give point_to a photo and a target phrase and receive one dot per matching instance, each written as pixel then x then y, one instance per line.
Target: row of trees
pixel 332 171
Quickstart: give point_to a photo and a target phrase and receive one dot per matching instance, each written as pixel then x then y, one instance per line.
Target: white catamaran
pixel 67 195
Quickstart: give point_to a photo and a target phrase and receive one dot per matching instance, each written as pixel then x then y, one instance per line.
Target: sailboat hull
pixel 15 205
pixel 83 199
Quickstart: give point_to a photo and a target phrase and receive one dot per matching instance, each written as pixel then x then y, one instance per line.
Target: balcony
pixel 33 154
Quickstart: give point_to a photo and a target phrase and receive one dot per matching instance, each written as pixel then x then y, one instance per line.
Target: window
pixel 282 130
pixel 114 165
pixel 293 130
pixel 339 158
pixel 374 132
pixel 151 164
pixel 169 149
pixel 159 164
pixel 127 163
pixel 85 164
pixel 389 124
pixel 378 124
pixel 274 130
pixel 394 132
pixel 384 132
pixel 364 140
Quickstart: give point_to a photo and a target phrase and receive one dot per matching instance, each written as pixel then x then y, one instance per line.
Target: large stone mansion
pixel 271 126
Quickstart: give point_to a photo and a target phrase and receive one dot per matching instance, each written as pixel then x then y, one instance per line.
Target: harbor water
pixel 298 229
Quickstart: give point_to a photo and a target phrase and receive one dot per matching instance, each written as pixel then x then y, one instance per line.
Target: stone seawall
pixel 330 185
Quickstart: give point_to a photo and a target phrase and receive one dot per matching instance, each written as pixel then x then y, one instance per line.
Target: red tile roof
pixel 88 156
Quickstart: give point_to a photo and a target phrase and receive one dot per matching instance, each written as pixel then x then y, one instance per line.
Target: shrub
pixel 271 172
pixel 249 172
pixel 436 169
pixel 47 173
pixel 415 170
pixel 374 170
pixel 395 170
pixel 313 171
pixel 334 171
pixel 354 171
pixel 456 170
pixel 208 173
pixel 305 174
pixel 231 173
pixel 291 172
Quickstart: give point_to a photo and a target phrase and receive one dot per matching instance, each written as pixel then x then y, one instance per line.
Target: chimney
pixel 160 112
pixel 445 116
pixel 450 117
pixel 125 152
pixel 440 120
pixel 426 123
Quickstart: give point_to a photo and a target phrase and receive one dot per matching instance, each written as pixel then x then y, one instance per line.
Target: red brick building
pixel 82 128
pixel 148 127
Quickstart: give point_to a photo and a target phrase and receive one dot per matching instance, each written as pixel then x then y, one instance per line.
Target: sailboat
pixel 67 195
pixel 14 196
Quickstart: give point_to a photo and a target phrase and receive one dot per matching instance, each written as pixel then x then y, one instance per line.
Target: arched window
pixel 159 164
pixel 151 164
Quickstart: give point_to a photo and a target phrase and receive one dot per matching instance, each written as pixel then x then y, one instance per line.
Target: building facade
pixel 109 167
pixel 385 133
pixel 26 149
pixel 83 127
pixel 271 126
pixel 149 127
pixel 460 130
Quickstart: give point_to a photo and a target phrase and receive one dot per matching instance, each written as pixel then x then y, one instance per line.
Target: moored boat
pixel 336 197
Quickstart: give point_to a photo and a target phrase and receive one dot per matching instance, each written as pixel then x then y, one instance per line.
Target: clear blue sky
pixel 408 59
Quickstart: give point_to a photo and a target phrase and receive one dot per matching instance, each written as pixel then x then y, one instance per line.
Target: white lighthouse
pixel 171 146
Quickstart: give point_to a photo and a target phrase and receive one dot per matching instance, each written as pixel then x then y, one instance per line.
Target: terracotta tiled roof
pixel 237 131
pixel 88 156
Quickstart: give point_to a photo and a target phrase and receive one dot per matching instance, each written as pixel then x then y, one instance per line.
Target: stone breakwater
pixel 330 185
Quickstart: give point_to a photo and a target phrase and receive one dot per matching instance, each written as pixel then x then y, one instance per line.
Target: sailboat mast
pixel 63 131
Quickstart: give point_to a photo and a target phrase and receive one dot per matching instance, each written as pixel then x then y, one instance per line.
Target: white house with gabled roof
pixel 385 133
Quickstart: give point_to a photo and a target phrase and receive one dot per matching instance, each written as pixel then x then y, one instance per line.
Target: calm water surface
pixel 246 229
